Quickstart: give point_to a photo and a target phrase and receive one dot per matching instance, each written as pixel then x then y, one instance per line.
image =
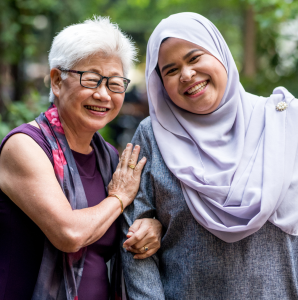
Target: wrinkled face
pixel 84 109
pixel 193 78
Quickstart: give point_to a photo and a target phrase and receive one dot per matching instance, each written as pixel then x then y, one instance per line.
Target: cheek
pixel 171 88
pixel 72 94
pixel 223 79
pixel 221 74
pixel 117 102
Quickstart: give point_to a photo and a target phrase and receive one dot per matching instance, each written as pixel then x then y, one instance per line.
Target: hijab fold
pixel 236 165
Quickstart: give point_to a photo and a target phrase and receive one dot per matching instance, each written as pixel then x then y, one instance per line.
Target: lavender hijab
pixel 238 166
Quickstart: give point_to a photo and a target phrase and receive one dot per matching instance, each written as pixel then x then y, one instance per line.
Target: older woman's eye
pixel 90 77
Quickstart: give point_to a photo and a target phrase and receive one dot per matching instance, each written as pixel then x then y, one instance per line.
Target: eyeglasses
pixel 92 80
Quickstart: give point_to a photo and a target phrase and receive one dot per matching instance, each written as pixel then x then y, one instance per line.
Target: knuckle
pixel 151 234
pixel 137 237
pixel 155 245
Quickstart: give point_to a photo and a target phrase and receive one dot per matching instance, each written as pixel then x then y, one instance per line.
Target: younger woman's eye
pixel 194 58
pixel 171 71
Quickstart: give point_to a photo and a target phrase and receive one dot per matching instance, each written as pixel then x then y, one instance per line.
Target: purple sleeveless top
pixel 21 241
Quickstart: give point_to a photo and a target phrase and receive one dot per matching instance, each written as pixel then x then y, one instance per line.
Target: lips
pixel 196 88
pixel 96 108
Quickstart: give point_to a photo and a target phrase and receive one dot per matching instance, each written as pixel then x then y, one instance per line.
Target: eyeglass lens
pixel 115 84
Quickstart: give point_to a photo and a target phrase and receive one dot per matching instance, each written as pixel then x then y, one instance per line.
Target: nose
pixel 186 74
pixel 102 92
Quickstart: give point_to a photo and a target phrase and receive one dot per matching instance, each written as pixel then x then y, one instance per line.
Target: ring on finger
pixel 146 248
pixel 132 166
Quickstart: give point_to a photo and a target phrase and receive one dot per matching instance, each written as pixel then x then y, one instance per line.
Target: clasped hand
pixel 144 235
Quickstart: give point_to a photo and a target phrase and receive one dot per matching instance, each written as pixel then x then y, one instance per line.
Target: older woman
pixel 221 175
pixel 58 211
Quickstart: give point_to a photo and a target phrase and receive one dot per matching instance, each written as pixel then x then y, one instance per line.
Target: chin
pixel 200 110
pixel 206 109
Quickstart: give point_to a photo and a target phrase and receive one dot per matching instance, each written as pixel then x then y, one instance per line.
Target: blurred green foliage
pixel 20 112
pixel 27 28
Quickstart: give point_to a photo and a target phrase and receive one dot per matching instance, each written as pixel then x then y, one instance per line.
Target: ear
pixel 56 81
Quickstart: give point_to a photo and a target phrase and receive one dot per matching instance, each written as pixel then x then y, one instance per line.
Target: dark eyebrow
pixel 190 53
pixel 184 57
pixel 167 66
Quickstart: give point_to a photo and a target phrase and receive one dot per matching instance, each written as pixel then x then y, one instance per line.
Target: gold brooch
pixel 281 106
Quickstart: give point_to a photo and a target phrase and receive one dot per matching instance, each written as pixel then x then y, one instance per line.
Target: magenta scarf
pixel 60 273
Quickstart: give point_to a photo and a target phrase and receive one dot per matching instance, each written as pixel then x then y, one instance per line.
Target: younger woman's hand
pixel 144 237
pixel 126 179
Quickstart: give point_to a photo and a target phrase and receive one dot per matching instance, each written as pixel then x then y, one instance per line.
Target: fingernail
pixel 135 257
pixel 124 247
pixel 144 158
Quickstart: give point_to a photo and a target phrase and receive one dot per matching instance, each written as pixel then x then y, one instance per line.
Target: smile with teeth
pixel 96 108
pixel 197 88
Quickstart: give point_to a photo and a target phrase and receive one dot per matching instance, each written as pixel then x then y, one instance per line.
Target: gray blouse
pixel 192 263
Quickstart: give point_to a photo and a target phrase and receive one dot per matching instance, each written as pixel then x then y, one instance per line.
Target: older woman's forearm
pixel 87 225
pixel 29 181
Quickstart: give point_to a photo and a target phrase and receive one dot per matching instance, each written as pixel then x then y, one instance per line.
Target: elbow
pixel 69 241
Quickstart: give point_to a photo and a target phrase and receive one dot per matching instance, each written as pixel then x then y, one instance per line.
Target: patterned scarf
pixel 60 273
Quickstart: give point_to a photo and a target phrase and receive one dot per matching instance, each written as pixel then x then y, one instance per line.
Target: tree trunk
pixel 249 67
pixel 18 81
pixel 1 89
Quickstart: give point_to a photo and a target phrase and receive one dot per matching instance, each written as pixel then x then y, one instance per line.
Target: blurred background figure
pixel 28 27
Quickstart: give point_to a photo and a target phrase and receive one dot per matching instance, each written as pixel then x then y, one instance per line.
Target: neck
pixel 76 140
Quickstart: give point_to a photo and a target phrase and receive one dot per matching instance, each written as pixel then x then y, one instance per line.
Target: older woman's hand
pixel 126 179
pixel 144 238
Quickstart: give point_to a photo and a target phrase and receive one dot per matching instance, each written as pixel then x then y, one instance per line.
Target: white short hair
pixel 97 35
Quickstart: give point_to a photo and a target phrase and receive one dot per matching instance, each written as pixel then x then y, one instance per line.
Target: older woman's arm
pixel 142 277
pixel 28 179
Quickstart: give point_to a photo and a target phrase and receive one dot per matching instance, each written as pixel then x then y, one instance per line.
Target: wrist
pixel 118 197
pixel 124 198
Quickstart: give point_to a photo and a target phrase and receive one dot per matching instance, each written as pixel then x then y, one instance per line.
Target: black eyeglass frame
pixel 99 82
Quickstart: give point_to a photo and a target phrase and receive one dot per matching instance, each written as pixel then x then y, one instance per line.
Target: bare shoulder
pixel 27 177
pixel 22 156
pixel 34 123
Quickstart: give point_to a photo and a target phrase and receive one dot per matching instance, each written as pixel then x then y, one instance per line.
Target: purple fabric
pixel 95 283
pixel 19 269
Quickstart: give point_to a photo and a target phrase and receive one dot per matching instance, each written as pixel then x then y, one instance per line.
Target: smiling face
pixel 85 110
pixel 193 78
